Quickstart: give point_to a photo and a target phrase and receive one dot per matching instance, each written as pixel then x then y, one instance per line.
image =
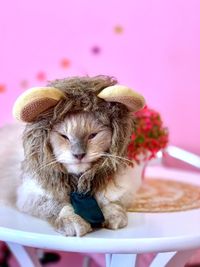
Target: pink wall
pixel 157 52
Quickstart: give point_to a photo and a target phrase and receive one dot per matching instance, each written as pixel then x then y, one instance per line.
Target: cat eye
pixel 64 136
pixel 91 136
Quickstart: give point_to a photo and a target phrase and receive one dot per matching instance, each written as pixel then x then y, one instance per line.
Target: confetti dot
pixel 2 88
pixel 24 83
pixel 118 29
pixel 65 63
pixel 41 76
pixel 96 49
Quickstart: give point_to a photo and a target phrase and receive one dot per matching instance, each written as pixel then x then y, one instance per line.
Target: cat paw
pixel 72 225
pixel 115 216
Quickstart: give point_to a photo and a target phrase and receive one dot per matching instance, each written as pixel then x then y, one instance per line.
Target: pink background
pixel 155 50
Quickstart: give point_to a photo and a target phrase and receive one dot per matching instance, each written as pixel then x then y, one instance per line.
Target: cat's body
pixel 11 155
pixel 26 194
pixel 78 145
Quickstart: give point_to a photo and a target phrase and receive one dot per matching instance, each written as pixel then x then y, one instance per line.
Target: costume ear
pixel 124 95
pixel 34 101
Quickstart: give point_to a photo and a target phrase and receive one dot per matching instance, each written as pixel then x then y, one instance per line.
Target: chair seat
pixel 146 232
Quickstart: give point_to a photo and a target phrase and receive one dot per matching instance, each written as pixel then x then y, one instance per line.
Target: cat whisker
pixel 44 166
pixel 47 164
pixel 108 155
pixel 34 152
pixel 116 157
pixel 52 160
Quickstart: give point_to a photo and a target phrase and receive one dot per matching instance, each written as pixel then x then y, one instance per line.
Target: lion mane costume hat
pixel 43 107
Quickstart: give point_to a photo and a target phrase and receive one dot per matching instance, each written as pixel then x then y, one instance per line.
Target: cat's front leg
pixel 71 224
pixel 115 216
pixel 34 200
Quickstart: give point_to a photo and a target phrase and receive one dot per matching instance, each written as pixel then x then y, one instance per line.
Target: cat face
pixel 79 141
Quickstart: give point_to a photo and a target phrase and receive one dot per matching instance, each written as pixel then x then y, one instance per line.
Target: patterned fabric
pixel 158 195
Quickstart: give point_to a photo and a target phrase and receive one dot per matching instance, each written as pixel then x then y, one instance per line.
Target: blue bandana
pixel 86 206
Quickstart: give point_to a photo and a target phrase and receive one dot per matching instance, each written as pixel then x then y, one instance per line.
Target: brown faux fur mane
pixel 80 95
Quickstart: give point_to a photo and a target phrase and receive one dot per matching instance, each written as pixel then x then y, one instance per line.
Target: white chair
pixel 174 236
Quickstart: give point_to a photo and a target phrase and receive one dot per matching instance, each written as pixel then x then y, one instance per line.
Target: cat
pixel 84 151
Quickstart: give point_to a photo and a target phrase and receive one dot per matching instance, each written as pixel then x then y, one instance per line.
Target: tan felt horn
pixel 124 95
pixel 34 101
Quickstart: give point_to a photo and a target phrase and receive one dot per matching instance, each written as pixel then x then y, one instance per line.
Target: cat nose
pixel 79 156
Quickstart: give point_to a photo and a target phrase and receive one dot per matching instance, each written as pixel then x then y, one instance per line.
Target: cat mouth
pixel 77 167
pixel 79 163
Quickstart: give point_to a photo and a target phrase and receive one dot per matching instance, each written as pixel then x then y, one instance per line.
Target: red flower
pixel 149 135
